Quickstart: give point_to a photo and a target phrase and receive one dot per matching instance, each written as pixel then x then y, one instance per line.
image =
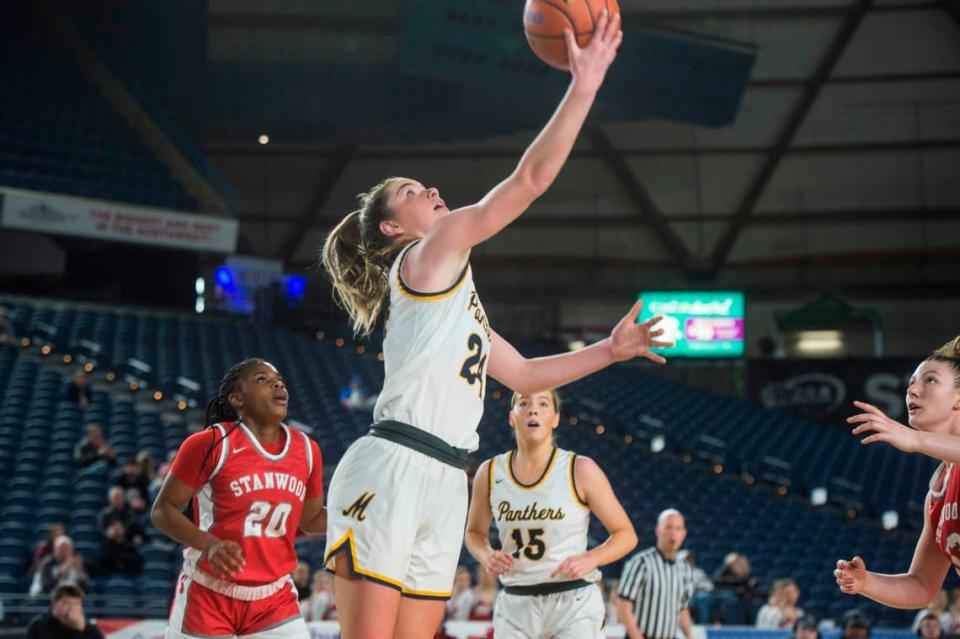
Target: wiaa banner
pixel 825 389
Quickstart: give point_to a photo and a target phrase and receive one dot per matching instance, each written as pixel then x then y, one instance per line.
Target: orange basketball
pixel 545 20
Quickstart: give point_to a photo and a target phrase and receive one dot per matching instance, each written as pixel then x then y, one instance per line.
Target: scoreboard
pixel 701 324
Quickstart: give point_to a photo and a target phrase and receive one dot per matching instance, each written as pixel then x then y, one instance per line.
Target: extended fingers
pixel 655 357
pixel 869 408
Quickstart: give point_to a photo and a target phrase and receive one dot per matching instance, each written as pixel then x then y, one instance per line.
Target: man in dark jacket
pixel 65 619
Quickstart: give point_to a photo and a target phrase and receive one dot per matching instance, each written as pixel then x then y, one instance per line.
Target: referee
pixel 655 587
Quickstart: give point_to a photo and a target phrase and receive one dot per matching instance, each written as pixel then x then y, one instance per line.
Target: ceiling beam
pixel 307 219
pixel 789 131
pixel 638 194
pixel 472 154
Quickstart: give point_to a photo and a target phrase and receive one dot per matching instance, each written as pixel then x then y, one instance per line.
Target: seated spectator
pixel 66 619
pixel 488 587
pixel 301 579
pixel 117 510
pixel 78 391
pixel 939 607
pixel 462 596
pixel 806 628
pixel 135 486
pixel 854 625
pixel 700 600
pixel 355 396
pixel 64 566
pixel 930 627
pixel 320 605
pixel 734 590
pixel 154 488
pixel 45 547
pixel 781 610
pixel 94 448
pixel 117 553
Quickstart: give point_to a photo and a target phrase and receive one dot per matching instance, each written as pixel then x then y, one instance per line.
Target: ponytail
pixel 357 256
pixel 949 353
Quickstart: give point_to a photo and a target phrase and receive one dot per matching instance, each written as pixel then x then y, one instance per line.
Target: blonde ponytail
pixel 358 257
pixel 950 354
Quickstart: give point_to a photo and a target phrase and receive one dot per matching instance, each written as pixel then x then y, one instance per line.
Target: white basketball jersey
pixel 540 524
pixel 435 354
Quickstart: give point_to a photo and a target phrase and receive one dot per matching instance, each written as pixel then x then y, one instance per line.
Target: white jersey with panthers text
pixel 435 352
pixel 540 524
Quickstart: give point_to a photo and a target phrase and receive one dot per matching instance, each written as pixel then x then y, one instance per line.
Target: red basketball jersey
pixel 944 496
pixel 250 494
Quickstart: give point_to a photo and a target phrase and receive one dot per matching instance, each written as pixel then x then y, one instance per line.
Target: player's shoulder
pixel 206 437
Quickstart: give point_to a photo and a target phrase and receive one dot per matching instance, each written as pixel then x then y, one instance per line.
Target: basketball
pixel 545 20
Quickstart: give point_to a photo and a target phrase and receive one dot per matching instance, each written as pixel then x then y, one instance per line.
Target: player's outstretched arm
pixel 627 341
pixel 596 491
pixel 540 164
pixel 911 590
pixel 226 557
pixel 477 538
pixel 942 446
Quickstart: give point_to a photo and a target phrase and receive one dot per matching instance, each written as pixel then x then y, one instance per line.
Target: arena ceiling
pixel 839 170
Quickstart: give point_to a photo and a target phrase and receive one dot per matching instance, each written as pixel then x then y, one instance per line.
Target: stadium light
pixel 657 444
pixel 200 286
pixel 890 519
pixel 224 277
pixel 263 139
pixel 819 342
pixel 818 496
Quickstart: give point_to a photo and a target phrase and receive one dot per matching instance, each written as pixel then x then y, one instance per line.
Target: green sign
pixel 701 324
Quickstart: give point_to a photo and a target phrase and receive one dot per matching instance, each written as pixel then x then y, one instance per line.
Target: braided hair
pixel 220 409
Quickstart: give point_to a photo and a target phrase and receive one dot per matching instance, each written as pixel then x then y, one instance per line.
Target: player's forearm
pixel 685 623
pixel 316 525
pixel 556 370
pixel 897 591
pixel 174 524
pixel 942 446
pixel 478 545
pixel 618 544
pixel 547 154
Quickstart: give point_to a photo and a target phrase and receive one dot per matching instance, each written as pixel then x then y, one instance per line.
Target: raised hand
pixel 589 65
pixel 884 429
pixel 850 575
pixel 630 339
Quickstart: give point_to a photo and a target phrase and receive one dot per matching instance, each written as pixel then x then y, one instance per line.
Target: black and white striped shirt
pixel 659 589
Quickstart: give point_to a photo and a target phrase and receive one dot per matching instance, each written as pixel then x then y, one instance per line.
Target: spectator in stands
pixel 700 601
pixel 952 614
pixel 462 596
pixel 63 566
pixel 781 609
pixel 45 547
pixel 355 396
pixel 610 601
pixel 301 579
pixel 154 488
pixel 320 606
pixel 734 582
pixel 117 553
pixel 117 510
pixel 66 619
pixel 929 627
pixel 78 391
pixel 135 486
pixel 485 595
pixel 806 628
pixel 854 625
pixel 938 607
pixel 94 448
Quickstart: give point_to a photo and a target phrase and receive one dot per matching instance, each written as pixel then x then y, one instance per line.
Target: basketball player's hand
pixel 589 65
pixel 629 339
pixel 499 563
pixel 226 557
pixel 575 567
pixel 851 575
pixel 884 429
